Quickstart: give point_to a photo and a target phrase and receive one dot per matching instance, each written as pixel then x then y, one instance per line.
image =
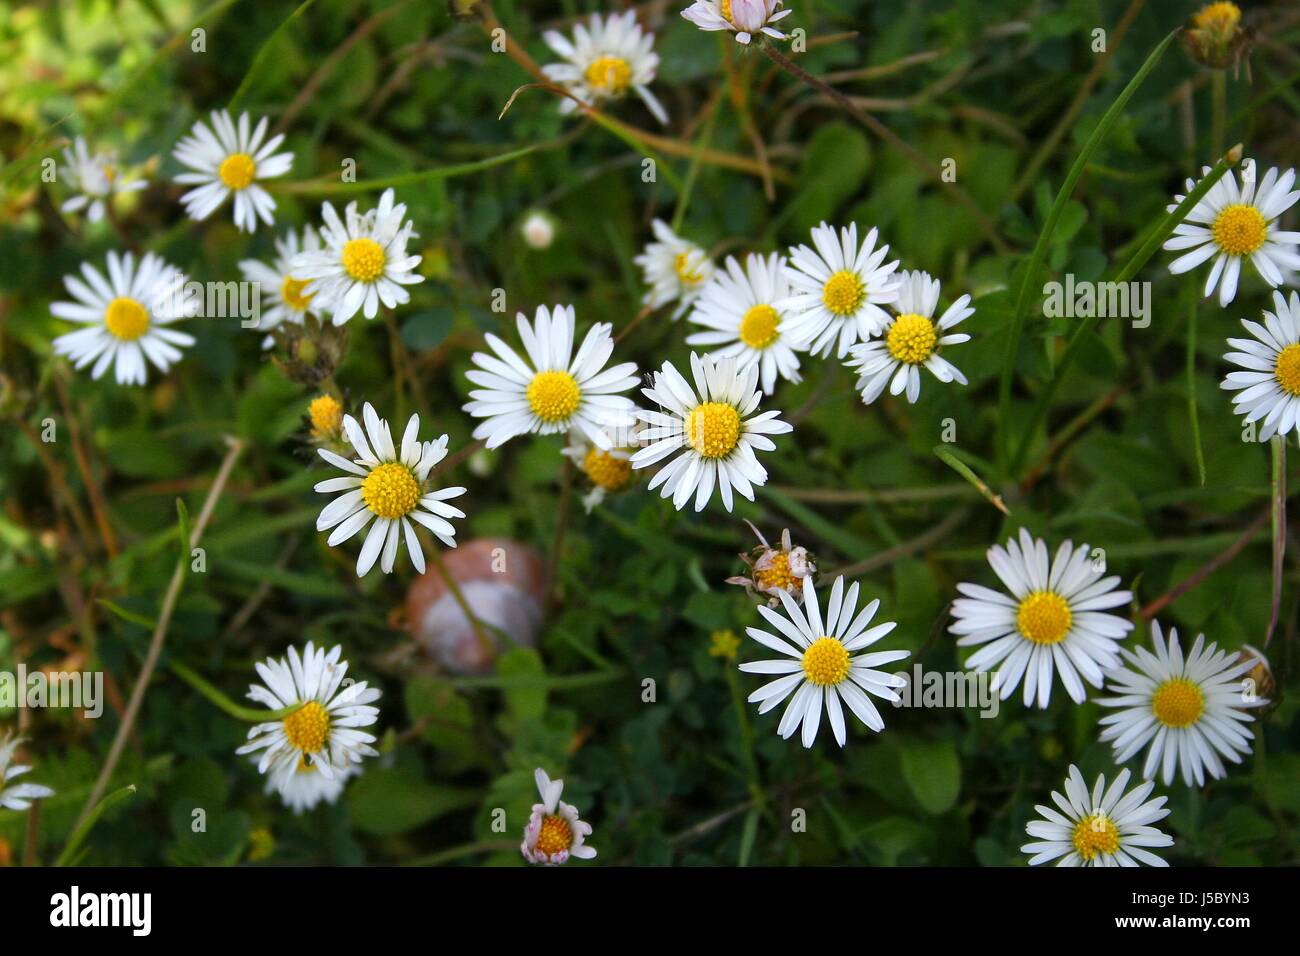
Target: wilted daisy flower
pixel 605 59
pixel 1191 710
pixel 1054 620
pixel 125 318
pixel 284 298
pixel 554 390
pixel 838 290
pixel 228 161
pixel 1214 35
pixel 554 833
pixel 608 469
pixel 1269 388
pixel 16 796
pixel 910 341
pixel 714 426
pixel 1102 828
pixel 1233 223
pixel 94 179
pixel 737 307
pixel 302 786
pixel 674 268
pixel 745 18
pixel 819 668
pixel 364 261
pixel 773 571
pixel 538 230
pixel 322 733
pixel 390 489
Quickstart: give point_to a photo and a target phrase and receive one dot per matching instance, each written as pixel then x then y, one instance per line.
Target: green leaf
pixel 933 771
pixel 386 801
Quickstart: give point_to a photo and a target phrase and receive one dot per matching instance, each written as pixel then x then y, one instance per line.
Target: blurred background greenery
pixel 405 87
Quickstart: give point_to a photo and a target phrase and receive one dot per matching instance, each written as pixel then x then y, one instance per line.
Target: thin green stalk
pixel 1155 239
pixel 1279 531
pixel 87 824
pixel 264 55
pixel 1193 414
pixel 949 457
pixel 1218 109
pixel 1039 254
pixel 693 171
pixel 334 185
pixel 249 714
pixel 746 736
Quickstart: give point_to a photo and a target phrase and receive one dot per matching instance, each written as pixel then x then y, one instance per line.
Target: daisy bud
pixel 538 230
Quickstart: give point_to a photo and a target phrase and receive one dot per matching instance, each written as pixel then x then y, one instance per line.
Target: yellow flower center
pixel 1218 17
pixel 1239 230
pixel 685 274
pixel 308 727
pixel 1287 370
pixel 760 327
pixel 363 259
pixel 304 766
pixel 912 338
pixel 606 470
pixel 553 395
pixel 294 297
pixel 326 413
pixel 777 574
pixel 110 172
pixel 610 74
pixel 1044 618
pixel 237 170
pixel 843 293
pixel 826 662
pixel 1095 834
pixel 390 490
pixel 725 10
pixel 555 835
pixel 126 319
pixel 713 429
pixel 1178 702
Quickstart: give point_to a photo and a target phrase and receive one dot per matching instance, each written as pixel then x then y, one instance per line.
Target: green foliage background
pixel 681 780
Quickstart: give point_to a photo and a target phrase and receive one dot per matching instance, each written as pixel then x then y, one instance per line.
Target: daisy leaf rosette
pixel 226 160
pixel 1234 223
pixel 550 389
pixel 822 666
pixel 838 288
pixel 364 261
pixel 385 487
pixel 1189 711
pixel 715 427
pixel 1053 622
pixel 911 341
pixel 323 732
pixel 124 318
pixel 607 57
pixel 1104 827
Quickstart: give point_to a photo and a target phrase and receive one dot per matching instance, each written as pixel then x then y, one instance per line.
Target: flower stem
pixel 484 639
pixel 239 712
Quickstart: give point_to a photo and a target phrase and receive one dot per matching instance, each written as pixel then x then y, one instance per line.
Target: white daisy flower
pixel 364 261
pixel 229 161
pixel 322 732
pixel 125 318
pixel 608 469
pixel 1269 388
pixel 674 268
pixel 94 178
pixel 820 669
pixel 302 786
pixel 17 796
pixel 284 298
pixel 715 427
pixel 554 833
pixel 388 488
pixel 1107 827
pixel 554 390
pixel 606 58
pixel 1232 223
pixel 911 341
pixel 745 18
pixel 774 570
pixel 838 290
pixel 1054 620
pixel 1191 710
pixel 737 309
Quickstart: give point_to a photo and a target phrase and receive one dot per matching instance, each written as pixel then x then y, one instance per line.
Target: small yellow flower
pixel 724 644
pixel 326 413
pixel 261 844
